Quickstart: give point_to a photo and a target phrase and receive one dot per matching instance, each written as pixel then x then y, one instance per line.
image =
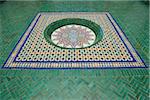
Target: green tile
pixel 115 84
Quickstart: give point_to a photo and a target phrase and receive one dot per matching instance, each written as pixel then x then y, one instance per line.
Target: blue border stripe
pixel 68 61
pixel 18 41
pixel 27 37
pixel 68 67
pixel 128 40
pixel 73 68
pixel 71 61
pixel 120 37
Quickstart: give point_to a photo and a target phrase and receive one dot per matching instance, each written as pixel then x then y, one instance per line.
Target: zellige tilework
pixel 110 50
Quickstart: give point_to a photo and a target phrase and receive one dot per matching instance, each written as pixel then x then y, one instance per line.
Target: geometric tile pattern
pixel 133 18
pixel 114 50
pixel 73 36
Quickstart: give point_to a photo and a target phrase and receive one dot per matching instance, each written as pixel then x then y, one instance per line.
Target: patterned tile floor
pixel 120 84
pixel 112 51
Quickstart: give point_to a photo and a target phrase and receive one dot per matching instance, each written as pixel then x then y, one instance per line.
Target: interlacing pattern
pixel 73 36
pixel 114 50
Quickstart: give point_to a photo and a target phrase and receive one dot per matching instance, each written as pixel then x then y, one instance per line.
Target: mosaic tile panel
pixel 113 51
pixel 73 36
